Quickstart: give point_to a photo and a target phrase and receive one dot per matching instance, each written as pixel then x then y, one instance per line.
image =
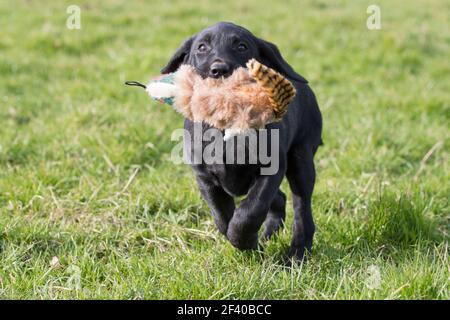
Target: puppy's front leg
pixel 248 218
pixel 221 203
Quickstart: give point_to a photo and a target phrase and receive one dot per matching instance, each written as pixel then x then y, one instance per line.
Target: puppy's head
pixel 218 50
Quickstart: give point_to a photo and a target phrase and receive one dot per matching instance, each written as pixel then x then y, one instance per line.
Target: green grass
pixel 85 174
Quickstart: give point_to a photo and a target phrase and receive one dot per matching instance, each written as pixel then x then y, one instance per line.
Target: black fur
pixel 230 46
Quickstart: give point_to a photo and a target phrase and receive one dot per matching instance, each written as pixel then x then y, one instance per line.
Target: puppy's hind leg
pixel 301 175
pixel 275 218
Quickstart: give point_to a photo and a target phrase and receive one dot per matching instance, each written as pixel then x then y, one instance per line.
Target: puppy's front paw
pixel 299 253
pixel 271 226
pixel 222 226
pixel 242 240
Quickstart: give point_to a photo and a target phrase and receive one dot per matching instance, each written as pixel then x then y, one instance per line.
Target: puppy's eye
pixel 202 48
pixel 242 47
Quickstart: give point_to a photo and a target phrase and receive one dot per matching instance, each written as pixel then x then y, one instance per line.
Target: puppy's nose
pixel 219 69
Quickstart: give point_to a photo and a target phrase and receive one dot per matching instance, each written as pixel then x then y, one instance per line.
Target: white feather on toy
pixel 159 90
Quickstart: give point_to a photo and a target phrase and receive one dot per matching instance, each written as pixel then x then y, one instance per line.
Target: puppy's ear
pixel 271 57
pixel 180 56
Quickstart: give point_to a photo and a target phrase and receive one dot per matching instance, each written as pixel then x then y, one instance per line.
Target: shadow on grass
pixel 401 221
pixel 390 226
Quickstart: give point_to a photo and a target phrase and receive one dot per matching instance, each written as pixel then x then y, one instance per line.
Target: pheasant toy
pixel 248 99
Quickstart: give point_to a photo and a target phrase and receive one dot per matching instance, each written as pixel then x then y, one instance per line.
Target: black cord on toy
pixel 136 84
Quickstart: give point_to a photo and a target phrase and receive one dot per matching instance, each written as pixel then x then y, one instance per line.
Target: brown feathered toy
pixel 248 99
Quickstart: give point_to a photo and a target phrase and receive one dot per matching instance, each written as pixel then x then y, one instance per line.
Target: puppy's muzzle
pixel 219 69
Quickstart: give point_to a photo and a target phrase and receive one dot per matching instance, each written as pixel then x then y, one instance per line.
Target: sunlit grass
pixel 92 207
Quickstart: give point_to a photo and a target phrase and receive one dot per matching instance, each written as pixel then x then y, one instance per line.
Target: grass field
pixel 91 206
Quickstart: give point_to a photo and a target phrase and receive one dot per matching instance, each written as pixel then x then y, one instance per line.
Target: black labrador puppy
pixel 215 52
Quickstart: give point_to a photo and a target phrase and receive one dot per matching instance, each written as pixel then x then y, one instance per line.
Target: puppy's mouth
pixel 216 75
